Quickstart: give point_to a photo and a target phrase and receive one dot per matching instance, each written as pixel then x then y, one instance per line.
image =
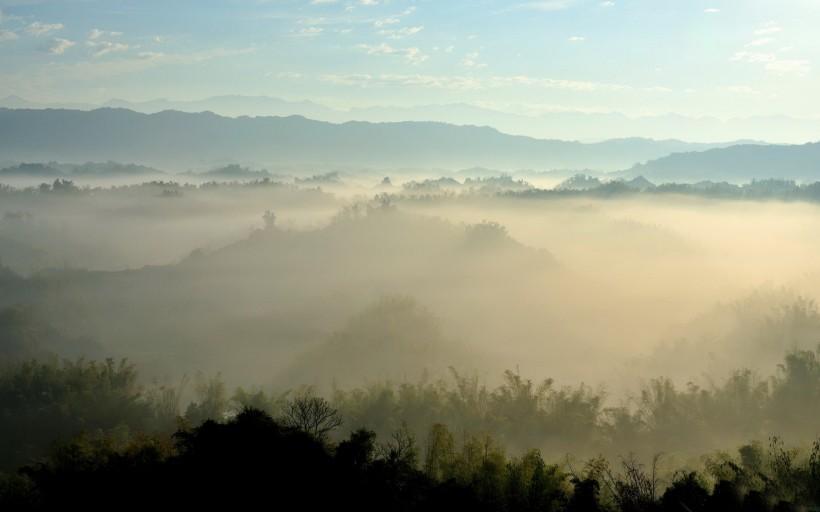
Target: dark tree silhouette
pixel 313 415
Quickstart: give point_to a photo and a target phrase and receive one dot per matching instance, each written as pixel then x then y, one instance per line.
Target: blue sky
pixel 640 57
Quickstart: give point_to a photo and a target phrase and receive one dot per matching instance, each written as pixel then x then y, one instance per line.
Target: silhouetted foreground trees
pixel 89 435
pixel 252 460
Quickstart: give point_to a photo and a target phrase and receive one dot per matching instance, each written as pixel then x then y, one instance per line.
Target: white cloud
pixel 467 82
pixel 711 10
pixel 763 41
pixel 413 55
pixel 386 21
pixel 105 47
pixel 7 35
pixel 577 39
pixel 768 29
pixel 742 89
pixel 471 61
pixel 546 5
pixel 789 66
pixel 368 2
pixel 773 63
pixel 322 2
pixel 608 3
pixel 59 46
pixel 288 75
pixel 310 31
pixel 39 29
pixel 97 34
pixel 402 32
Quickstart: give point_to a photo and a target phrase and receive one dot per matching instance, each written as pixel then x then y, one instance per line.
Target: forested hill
pixel 177 139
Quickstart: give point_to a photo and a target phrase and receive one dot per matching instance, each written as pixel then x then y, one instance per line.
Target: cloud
pixel 471 61
pixel 607 3
pixel 99 69
pixel 368 2
pixel 711 10
pixel 388 80
pixel 402 32
pixel 322 2
pixel 741 89
pixel 7 35
pixel 97 34
pixel 105 47
pixel 413 55
pixel 760 42
pixel 789 66
pixel 310 31
pixel 38 29
pixel 577 39
pixel 768 29
pixel 773 63
pixel 59 46
pixel 386 21
pixel 456 82
pixel 288 75
pixel 546 5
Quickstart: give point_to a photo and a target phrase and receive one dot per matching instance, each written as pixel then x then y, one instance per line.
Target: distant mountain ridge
pixel 88 170
pixel 172 139
pixel 739 163
pixel 570 124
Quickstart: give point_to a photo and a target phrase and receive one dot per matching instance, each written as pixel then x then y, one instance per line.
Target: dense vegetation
pixel 252 457
pixel 82 425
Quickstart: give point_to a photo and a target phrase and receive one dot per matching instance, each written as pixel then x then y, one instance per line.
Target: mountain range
pixel 178 140
pixel 565 124
pixel 740 163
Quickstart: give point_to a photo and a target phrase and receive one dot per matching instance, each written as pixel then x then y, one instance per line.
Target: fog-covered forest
pixel 410 255
pixel 599 342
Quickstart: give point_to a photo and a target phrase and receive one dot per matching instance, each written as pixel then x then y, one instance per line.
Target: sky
pixel 721 58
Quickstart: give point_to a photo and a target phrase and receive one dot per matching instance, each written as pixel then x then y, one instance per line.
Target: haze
pixel 410 255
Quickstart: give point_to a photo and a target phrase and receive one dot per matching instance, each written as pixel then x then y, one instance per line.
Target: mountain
pixel 94 170
pixel 39 171
pixel 234 106
pixel 570 124
pixel 734 164
pixel 181 140
pixel 230 173
pixel 20 103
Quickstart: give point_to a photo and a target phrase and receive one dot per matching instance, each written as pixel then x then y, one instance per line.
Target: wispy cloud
pixel 97 34
pixel 546 5
pixel 59 46
pixel 38 29
pixel 7 35
pixel 412 54
pixel 401 33
pixel 768 29
pixel 102 48
pixel 773 63
pixel 471 61
pixel 469 82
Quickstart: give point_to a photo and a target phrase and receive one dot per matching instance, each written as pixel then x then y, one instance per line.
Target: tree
pixel 312 414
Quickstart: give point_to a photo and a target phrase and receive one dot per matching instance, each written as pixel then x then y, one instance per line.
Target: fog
pixel 580 289
pixel 353 286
